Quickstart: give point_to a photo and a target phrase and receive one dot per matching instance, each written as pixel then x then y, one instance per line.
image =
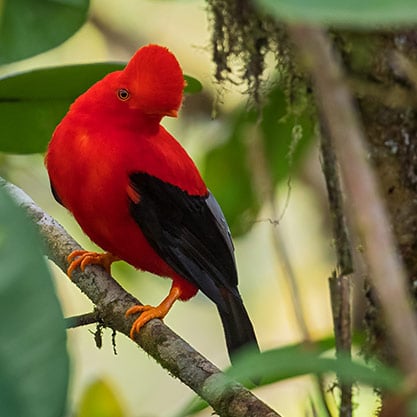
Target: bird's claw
pixel 147 314
pixel 82 258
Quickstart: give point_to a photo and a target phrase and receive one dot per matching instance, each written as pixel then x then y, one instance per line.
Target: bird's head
pixel 152 82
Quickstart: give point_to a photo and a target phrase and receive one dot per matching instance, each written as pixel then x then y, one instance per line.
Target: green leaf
pixel 197 404
pixel 29 27
pixel 280 364
pixel 352 13
pixel 58 83
pixel 32 103
pixel 303 359
pixel 192 86
pixel 230 167
pixel 33 356
pixel 100 400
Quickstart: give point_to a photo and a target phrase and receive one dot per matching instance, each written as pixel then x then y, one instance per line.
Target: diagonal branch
pixel 227 397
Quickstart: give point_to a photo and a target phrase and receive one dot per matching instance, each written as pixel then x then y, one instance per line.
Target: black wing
pixel 55 194
pixel 188 232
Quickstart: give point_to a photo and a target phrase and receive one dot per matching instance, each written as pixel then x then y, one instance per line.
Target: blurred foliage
pixel 33 356
pixel 284 136
pixel 29 27
pixel 354 13
pixel 290 361
pixel 300 359
pixel 34 102
pixel 100 400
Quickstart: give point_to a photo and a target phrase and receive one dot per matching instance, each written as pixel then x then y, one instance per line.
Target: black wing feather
pixel 55 194
pixel 189 232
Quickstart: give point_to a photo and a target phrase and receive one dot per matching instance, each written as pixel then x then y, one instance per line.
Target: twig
pixel 320 383
pixel 340 234
pixel 340 295
pixel 82 320
pixel 227 397
pixel 370 217
pixel 339 283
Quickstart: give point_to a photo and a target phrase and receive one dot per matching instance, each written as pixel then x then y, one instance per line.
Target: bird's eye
pixel 123 94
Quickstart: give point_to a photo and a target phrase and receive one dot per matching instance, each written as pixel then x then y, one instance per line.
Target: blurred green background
pixel 130 383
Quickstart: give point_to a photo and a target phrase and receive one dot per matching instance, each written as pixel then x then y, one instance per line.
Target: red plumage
pixel 112 164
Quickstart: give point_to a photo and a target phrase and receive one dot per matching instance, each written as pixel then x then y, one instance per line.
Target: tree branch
pixel 227 397
pixel 370 217
pixel 82 320
pixel 340 282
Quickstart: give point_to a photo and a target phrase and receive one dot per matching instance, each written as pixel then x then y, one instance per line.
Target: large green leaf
pixel 304 359
pixel 33 103
pixel 230 167
pixel 29 27
pixel 33 356
pixel 197 404
pixel 352 13
pixel 283 363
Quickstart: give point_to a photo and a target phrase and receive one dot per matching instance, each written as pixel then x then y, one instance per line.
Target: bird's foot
pixel 150 312
pixel 82 258
pixel 147 313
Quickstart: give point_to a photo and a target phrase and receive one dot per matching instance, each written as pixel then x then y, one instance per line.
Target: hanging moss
pixel 241 40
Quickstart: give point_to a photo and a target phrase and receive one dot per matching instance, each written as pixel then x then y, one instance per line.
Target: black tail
pixel 237 326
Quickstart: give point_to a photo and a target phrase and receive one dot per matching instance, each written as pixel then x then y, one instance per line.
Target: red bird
pixel 137 194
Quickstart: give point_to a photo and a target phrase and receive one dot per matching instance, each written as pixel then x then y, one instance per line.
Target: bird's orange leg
pixel 82 258
pixel 149 312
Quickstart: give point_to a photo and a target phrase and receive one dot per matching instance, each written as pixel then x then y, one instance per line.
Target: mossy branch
pixel 369 215
pixel 227 397
pixel 340 281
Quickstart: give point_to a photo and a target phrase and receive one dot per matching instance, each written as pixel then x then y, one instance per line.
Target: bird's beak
pixel 172 113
